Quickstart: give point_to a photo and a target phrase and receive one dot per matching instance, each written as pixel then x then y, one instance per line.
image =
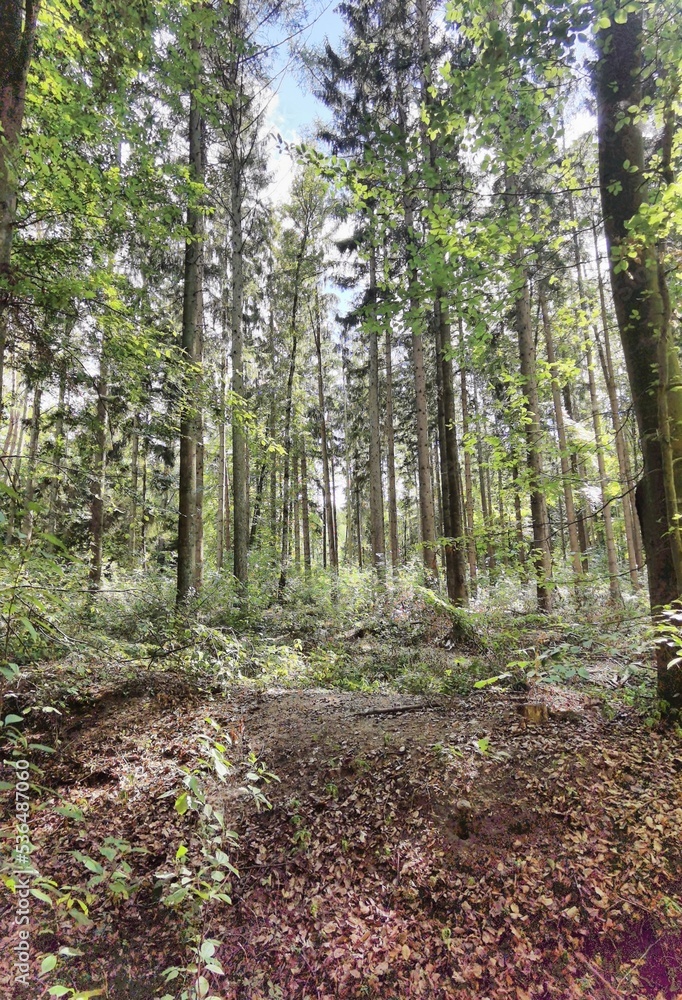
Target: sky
pixel 293 109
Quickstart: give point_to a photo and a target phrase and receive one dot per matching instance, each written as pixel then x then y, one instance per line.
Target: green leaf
pixel 10 719
pixel 182 804
pixel 48 963
pixel 39 894
pixel 59 991
pixel 177 896
pixel 70 811
pixel 207 950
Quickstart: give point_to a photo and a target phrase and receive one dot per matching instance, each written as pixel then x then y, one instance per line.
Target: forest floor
pixel 498 843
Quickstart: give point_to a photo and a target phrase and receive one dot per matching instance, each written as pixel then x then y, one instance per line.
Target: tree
pixel 642 303
pixel 17 36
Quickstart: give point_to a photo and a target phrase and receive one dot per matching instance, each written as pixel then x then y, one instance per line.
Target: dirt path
pixel 438 849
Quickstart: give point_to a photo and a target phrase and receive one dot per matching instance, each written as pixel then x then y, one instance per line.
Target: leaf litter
pixel 443 847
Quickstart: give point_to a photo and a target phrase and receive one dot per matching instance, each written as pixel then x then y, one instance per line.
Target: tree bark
pixel 324 446
pixel 191 333
pixel 538 505
pixel 376 492
pixel 240 486
pixel 632 536
pixel 390 459
pixel 564 454
pixel 17 35
pixel 640 299
pixel 98 474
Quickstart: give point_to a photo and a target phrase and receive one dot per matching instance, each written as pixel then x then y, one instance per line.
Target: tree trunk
pixel 222 460
pixel 538 504
pixel 191 327
pixel 564 454
pixel 17 34
pixel 134 476
pixel 329 513
pixel 240 486
pixel 376 492
pixel 468 480
pixel 454 492
pixel 98 474
pixel 297 512
pixel 642 310
pixel 305 509
pixel 284 558
pixel 29 515
pixel 390 459
pixel 14 467
pixel 58 454
pixel 611 556
pixel 632 536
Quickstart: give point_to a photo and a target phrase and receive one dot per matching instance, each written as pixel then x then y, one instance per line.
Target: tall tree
pixel 642 304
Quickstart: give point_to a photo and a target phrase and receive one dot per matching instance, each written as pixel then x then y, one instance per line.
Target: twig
pixel 394 711
pixel 598 975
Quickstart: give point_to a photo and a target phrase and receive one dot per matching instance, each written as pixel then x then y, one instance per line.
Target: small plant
pixel 202 875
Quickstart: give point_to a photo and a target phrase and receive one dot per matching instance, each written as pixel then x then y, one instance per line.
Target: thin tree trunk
pixel 414 322
pixel 17 34
pixel 376 492
pixel 305 509
pixel 14 469
pixel 240 486
pixel 454 492
pixel 58 454
pixel 29 515
pixel 297 512
pixel 99 473
pixel 134 474
pixel 390 458
pixel 222 460
pixel 191 332
pixel 564 454
pixel 538 504
pixel 632 535
pixel 329 516
pixel 468 480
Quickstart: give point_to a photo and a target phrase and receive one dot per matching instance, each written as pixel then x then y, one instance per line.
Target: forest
pixel 341 499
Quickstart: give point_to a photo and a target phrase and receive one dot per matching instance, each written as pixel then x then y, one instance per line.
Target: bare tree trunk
pixel 240 486
pixel 305 509
pixel 468 480
pixel 199 455
pixel 192 311
pixel 297 513
pixel 632 534
pixel 222 459
pixel 486 508
pixel 29 515
pixel 99 473
pixel 376 492
pixel 329 515
pixel 541 545
pixel 134 475
pixel 564 454
pixel 454 493
pixel 17 34
pixel 14 468
pixel 286 475
pixel 58 454
pixel 390 459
